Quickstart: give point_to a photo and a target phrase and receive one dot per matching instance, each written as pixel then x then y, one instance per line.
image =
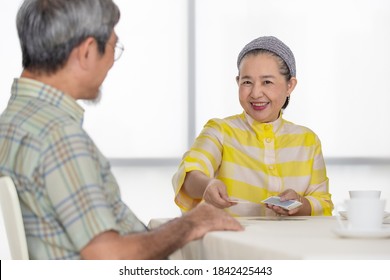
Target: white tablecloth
pixel 283 238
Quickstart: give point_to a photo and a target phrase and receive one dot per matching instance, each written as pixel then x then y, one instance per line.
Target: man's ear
pixel 86 51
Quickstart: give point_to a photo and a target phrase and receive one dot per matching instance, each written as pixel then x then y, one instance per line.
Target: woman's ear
pixel 291 85
pixel 237 79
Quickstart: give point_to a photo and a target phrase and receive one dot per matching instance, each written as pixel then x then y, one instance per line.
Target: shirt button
pixel 271 167
pixel 268 140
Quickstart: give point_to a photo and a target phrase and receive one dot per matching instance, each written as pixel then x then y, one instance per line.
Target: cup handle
pixel 338 216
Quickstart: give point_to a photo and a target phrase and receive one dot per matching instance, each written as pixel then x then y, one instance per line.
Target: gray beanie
pixel 274 45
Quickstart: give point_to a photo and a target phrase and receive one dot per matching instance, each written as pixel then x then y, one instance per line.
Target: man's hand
pixel 206 217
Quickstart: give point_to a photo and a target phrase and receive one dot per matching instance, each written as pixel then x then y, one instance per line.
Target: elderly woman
pixel 238 161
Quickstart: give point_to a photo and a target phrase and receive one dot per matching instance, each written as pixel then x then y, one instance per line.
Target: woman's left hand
pixel 288 194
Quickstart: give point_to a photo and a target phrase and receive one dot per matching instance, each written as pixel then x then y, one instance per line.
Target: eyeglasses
pixel 118 50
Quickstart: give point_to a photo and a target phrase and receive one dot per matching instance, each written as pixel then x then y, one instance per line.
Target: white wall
pixel 144 95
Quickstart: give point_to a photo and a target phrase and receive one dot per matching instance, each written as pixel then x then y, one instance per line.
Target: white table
pixel 283 238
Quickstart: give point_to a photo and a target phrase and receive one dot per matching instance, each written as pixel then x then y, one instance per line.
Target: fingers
pixel 223 221
pixel 216 195
pixel 205 217
pixel 278 210
pixel 220 203
pixel 289 194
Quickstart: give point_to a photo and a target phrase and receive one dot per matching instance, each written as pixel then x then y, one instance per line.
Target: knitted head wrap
pixel 274 45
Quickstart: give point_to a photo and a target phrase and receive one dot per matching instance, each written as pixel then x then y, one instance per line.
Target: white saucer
pixel 344 214
pixel 381 233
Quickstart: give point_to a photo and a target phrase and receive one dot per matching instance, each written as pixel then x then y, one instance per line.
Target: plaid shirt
pixel 256 160
pixel 67 192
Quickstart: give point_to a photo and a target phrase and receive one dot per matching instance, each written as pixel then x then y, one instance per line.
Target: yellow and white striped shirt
pixel 256 160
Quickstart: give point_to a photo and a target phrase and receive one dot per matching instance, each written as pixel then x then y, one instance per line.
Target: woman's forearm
pixel 195 183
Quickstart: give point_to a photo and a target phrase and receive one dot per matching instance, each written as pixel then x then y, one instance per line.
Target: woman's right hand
pixel 216 194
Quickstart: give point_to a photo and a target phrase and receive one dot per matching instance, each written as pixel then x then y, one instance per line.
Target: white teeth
pixel 260 104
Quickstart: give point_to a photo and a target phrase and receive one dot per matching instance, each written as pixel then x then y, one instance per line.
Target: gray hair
pixel 50 29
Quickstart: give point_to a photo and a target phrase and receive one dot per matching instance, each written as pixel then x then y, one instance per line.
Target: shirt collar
pixel 276 124
pixel 35 89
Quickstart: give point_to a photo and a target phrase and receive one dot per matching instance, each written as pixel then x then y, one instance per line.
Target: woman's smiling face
pixel 263 90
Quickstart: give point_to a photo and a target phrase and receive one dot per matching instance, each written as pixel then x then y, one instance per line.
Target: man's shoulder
pixel 38 119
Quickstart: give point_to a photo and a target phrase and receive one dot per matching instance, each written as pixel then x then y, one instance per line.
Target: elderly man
pixel 70 200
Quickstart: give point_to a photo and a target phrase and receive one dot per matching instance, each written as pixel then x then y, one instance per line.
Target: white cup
pixel 365 214
pixel 364 194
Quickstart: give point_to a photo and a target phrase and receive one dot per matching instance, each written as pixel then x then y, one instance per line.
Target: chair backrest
pixel 13 220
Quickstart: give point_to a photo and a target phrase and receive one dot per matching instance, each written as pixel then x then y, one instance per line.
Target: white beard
pixel 96 100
